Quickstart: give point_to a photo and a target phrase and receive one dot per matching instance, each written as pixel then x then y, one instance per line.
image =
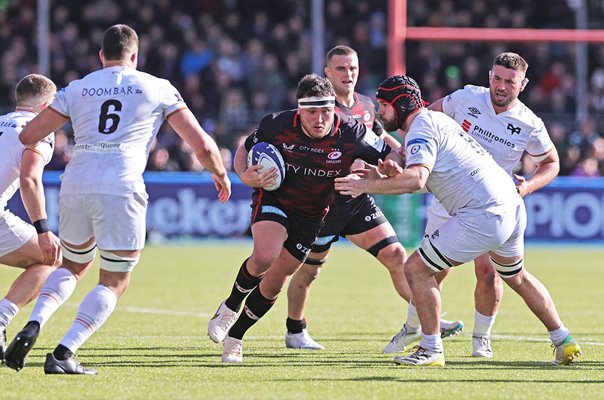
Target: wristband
pixel 41 226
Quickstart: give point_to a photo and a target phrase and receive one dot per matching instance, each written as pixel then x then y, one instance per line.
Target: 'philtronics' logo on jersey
pixel 513 129
pixel 474 112
pixel 466 125
pixel 489 137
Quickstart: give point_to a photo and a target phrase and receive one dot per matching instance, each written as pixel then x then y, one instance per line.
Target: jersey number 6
pixel 108 121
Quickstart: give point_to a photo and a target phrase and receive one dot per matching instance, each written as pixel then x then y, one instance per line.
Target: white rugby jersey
pixel 463 176
pixel 506 136
pixel 115 113
pixel 11 151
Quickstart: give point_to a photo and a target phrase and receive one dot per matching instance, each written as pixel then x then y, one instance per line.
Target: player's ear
pixel 523 84
pixel 326 71
pixel 102 56
pixel 490 74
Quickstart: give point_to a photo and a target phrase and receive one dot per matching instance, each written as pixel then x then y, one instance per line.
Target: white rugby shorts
pixel 14 232
pixel 437 215
pixel 464 237
pixel 115 222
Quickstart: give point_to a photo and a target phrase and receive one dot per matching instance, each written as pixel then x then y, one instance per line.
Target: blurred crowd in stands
pixel 236 60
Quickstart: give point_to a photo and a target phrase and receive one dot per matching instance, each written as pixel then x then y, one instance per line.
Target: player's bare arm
pixel 368 171
pixel 250 175
pixel 547 169
pixel 410 180
pixel 32 194
pixel 389 167
pixel 186 126
pixel 41 126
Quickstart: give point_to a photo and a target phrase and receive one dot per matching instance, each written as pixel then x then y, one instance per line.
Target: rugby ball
pixel 267 156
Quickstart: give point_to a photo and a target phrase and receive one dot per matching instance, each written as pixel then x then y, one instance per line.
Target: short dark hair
pixel 339 50
pixel 313 85
pixel 511 61
pixel 34 86
pixel 119 41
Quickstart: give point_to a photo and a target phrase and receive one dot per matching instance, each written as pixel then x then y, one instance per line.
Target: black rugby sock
pixel 62 353
pixel 295 325
pixel 244 284
pixel 256 306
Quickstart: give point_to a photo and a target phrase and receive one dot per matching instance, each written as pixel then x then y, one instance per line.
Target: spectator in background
pixel 588 167
pixel 170 30
pixel 159 160
pixel 62 151
pixel 585 137
pixel 196 59
pixel 233 116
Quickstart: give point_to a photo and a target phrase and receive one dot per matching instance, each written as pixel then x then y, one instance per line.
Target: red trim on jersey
pixel 295 123
pixel 258 206
pixel 337 123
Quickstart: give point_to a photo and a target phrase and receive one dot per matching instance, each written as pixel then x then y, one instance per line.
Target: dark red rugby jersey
pixel 363 110
pixel 313 164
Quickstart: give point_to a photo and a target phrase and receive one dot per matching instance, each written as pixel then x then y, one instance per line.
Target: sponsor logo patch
pixel 474 112
pixel 513 129
pixel 416 141
pixel 334 155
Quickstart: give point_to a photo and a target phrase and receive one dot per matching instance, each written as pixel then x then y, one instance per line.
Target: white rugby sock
pixel 60 284
pixel 557 336
pixel 412 322
pixel 431 342
pixel 94 310
pixel 8 310
pixel 483 324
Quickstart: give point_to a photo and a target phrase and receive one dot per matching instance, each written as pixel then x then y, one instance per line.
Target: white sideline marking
pixel 543 339
pixel 141 310
pixel 516 338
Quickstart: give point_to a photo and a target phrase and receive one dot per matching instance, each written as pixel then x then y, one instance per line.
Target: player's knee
pixel 115 263
pixel 310 272
pixel 507 271
pixel 80 256
pixel 393 256
pixel 382 246
pixel 485 271
pixel 262 261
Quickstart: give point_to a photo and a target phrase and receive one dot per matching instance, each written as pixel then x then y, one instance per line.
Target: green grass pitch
pixel 155 346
